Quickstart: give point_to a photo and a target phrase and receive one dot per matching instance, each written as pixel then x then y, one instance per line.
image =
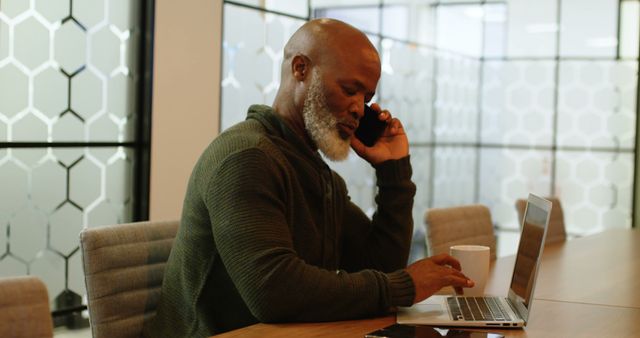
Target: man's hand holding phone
pixel 392 143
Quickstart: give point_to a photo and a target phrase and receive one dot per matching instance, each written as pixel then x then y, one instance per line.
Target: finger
pixel 459 290
pixel 384 115
pixel 458 273
pixel 397 123
pixel 375 106
pixel 443 259
pixel 396 126
pixel 455 264
pixel 456 281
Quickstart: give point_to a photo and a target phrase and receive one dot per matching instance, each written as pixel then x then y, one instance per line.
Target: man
pixel 268 233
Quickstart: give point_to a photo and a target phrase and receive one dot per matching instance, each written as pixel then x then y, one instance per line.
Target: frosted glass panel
pixel 532 28
pixel 457 98
pixel 489 110
pixel 406 87
pixel 454 176
pixel 49 195
pixel 597 104
pixel 14 92
pixel 409 20
pixel 397 22
pixel 85 67
pixel 510 174
pixel 251 62
pixel 4 40
pixel 293 7
pixel 589 28
pixel 518 102
pixel 365 18
pixel 459 29
pixel 629 29
pixel 495 30
pixel 596 190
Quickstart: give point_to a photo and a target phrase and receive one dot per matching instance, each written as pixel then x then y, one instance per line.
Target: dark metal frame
pixel 143 134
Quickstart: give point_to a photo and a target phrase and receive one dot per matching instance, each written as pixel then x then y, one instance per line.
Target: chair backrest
pixel 556 231
pixel 464 225
pixel 24 308
pixel 123 269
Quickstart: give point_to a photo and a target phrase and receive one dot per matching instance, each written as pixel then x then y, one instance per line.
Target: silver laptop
pixel 512 311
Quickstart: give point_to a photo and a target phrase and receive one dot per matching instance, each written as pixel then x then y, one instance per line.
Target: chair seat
pixel 24 308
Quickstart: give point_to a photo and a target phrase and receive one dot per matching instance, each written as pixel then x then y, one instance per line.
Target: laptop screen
pixel 529 250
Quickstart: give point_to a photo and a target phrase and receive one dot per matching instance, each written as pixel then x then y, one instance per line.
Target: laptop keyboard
pixel 477 308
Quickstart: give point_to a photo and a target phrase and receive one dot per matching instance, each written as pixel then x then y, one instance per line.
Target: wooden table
pixel 602 269
pixel 587 287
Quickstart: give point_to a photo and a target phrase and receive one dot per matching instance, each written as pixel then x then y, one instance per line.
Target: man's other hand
pixel 392 145
pixel 431 274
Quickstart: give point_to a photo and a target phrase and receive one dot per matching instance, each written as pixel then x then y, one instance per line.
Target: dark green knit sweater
pixel 268 234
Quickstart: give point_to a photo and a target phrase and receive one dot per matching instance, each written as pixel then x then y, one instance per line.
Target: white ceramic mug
pixel 474 260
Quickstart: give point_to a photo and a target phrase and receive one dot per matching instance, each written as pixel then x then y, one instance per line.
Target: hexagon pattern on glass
pixel 64 69
pixel 67 192
pixel 596 104
pixel 243 85
pixel 44 56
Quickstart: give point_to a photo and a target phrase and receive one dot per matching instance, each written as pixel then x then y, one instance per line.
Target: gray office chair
pixel 123 268
pixel 469 224
pixel 556 231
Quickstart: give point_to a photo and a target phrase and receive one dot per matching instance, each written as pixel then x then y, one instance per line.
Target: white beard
pixel 321 125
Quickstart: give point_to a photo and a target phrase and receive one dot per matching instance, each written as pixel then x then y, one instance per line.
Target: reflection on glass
pixel 293 7
pixel 396 22
pixel 629 30
pixel 459 29
pixel 365 18
pixel 495 30
pixel 532 30
pixel 589 30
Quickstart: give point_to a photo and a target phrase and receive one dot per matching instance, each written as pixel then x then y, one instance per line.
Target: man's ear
pixel 300 67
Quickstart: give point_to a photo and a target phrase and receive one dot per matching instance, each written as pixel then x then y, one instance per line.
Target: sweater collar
pixel 276 126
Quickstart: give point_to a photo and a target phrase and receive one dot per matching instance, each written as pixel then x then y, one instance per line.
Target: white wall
pixel 186 98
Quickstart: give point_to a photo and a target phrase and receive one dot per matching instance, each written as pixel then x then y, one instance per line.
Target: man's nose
pixel 357 110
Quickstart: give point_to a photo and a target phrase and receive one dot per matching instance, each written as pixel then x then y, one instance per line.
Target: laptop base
pixel 433 311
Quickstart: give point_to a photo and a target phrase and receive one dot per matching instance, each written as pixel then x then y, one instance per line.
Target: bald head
pixel 325 41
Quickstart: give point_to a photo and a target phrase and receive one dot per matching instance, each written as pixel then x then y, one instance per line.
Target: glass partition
pixel 499 99
pixel 71 83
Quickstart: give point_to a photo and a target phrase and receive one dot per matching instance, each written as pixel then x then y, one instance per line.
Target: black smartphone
pixel 370 127
pixel 425 331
